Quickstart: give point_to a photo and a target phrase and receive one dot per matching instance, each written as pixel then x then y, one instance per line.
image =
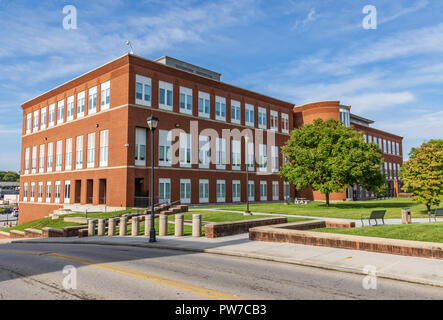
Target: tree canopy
pixel 329 157
pixel 422 174
pixel 9 176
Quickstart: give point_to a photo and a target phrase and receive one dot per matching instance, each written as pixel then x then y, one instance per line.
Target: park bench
pixel 437 213
pixel 376 214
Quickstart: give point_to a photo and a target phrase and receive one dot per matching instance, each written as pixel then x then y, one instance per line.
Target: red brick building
pixel 86 142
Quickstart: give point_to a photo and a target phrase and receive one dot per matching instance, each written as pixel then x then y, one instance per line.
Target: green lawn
pixel 431 232
pixel 106 215
pixel 42 223
pixel 347 210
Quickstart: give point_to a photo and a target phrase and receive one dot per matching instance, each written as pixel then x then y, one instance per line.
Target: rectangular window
pixel 41 159
pixel 397 149
pixel 43 119
pixel 58 156
pixel 164 148
pixel 185 100
pixel 34 159
pixel 250 156
pixel 236 154
pixel 165 95
pixel 91 150
pixel 50 159
pixel 203 153
pixel 221 191
pixel 262 118
pixel 51 117
pixel 104 140
pixel 275 194
pixel 220 108
pixel 185 149
pixel 285 123
pixel 287 190
pixel 105 88
pixel 364 137
pixel 25 191
pixel 164 190
pixel 67 193
pixel 220 153
pixel 140 146
pixel 235 111
pixel 369 138
pixel 185 190
pixel 48 191
pixel 40 192
pixel 142 90
pixel 32 191
pixel 389 146
pixel 57 192
pixel 263 159
pixel 203 191
pixel 36 121
pixel 79 152
pixel 390 170
pixel 380 144
pixel 28 122
pixel 27 154
pixel 92 100
pixel 384 146
pixel 263 190
pixel 274 159
pixel 70 108
pixel 249 115
pixel 251 192
pixel 60 111
pixel 273 118
pixel 203 104
pixel 235 190
pixel 386 170
pixel 68 154
pixel 80 104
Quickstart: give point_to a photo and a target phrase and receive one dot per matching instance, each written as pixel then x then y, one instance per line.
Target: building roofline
pixel 366 120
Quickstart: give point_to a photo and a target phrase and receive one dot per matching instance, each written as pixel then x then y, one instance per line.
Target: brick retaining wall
pixel 223 229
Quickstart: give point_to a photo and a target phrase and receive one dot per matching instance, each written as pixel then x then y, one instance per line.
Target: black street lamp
pixel 247 212
pixel 152 124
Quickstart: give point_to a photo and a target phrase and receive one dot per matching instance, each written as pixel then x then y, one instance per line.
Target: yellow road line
pixel 134 273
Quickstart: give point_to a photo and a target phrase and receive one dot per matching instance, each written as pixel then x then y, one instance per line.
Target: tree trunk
pixel 428 206
pixel 327 199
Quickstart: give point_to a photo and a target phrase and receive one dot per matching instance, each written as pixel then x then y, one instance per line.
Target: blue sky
pixel 299 51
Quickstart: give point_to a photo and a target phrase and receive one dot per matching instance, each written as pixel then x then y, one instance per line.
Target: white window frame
pixel 284 123
pixel 275 190
pixel 90 157
pixel 273 120
pixel 220 148
pixel 105 95
pixel 92 100
pixel 43 118
pixel 250 110
pixel 81 104
pixel 168 88
pixel 263 157
pixel 146 84
pixel 250 153
pixel 205 101
pixel 251 190
pixel 57 191
pixel 32 193
pixel 187 183
pixel 68 154
pixel 221 101
pixel 36 121
pixel 34 159
pixel 286 190
pixel 235 154
pixel 236 115
pixel 205 184
pixel 140 146
pixel 185 93
pixel 60 111
pixel 236 185
pixel 70 108
pixel 58 155
pixel 51 115
pixel 204 147
pixel 185 146
pixel 274 159
pixel 79 152
pixel 67 188
pixel 40 192
pixel 262 121
pixel 104 148
pixel 41 159
pixel 27 160
pixel 389 146
pixel 162 183
pixel 263 197
pixel 165 142
pixel 28 123
pixel 48 188
pixel 25 191
pixel 221 196
pixel 50 157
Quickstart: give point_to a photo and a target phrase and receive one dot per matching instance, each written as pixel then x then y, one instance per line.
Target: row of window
pixel 185 153
pixel 54 114
pixel 34 192
pixel 143 96
pixel 387 146
pixel 391 170
pixel 47 150
pixel 203 190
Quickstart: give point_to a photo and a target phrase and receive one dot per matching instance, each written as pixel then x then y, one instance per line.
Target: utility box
pixel 406 216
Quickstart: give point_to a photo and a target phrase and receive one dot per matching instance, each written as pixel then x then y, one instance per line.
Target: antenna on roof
pixel 128 43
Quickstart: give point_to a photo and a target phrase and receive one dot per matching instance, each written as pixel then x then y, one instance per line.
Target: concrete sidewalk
pixel 403 268
pixel 358 223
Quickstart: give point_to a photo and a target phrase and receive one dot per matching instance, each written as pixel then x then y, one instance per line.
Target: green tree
pixel 329 157
pixel 9 176
pixel 422 174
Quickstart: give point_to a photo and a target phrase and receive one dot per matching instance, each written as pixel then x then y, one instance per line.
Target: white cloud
pixel 311 17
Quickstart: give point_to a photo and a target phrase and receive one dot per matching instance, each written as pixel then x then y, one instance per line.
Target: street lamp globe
pixel 152 122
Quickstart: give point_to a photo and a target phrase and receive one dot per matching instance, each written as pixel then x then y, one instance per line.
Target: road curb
pixel 232 253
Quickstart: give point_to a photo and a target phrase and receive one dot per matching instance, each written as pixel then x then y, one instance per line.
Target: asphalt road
pixel 35 271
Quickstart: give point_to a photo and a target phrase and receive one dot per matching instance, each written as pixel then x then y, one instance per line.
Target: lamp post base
pixel 247 213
